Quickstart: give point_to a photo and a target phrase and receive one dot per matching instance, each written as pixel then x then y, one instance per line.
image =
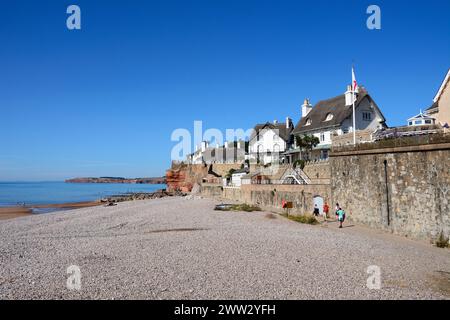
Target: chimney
pixel 239 144
pixel 306 108
pixel 288 122
pixel 275 121
pixel 204 145
pixel 349 96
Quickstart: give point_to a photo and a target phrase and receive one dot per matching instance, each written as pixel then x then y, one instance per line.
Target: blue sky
pixel 105 99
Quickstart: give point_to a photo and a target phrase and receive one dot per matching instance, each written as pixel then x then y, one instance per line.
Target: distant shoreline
pixel 22 211
pixel 156 180
pixel 26 210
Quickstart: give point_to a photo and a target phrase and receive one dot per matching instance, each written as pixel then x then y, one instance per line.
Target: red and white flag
pixel 354 83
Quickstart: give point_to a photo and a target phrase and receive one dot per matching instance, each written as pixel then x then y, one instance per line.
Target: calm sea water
pixel 32 193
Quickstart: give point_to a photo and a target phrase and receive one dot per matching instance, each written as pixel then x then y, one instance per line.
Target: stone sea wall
pixel 404 190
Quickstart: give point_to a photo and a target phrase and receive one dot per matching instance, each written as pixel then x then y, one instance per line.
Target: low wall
pixel 347 139
pixel 212 190
pixel 269 197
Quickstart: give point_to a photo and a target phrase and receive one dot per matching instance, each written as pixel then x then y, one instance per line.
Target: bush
pixel 230 173
pixel 245 207
pixel 238 207
pixel 306 219
pixel 442 241
pixel 300 164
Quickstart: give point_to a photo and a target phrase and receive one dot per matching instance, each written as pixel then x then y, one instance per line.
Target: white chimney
pixel 239 144
pixel 204 145
pixel 288 122
pixel 306 108
pixel 349 96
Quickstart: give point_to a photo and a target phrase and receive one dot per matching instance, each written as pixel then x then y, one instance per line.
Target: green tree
pixel 306 143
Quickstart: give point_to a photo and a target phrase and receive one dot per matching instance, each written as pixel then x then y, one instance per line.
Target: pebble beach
pixel 180 248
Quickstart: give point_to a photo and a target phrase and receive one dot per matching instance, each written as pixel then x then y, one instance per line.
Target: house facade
pixel 440 109
pixel 334 117
pixel 230 152
pixel 269 141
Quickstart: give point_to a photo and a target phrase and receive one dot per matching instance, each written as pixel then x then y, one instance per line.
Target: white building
pixel 230 152
pixel 421 119
pixel 236 177
pixel 269 140
pixel 335 117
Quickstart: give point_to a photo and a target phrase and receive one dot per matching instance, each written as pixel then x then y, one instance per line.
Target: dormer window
pixel 329 117
pixel 308 122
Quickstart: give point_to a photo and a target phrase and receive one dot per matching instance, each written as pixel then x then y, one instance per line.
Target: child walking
pixel 341 216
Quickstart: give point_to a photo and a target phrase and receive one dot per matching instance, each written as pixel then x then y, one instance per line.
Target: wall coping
pixel 417 148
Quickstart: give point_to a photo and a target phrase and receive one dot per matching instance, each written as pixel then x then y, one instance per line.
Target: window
pixel 367 116
pixel 428 121
pixel 329 117
pixel 275 137
pixel 322 137
pixel 308 122
pixel 344 130
pixel 276 148
pixel 418 122
pixel 410 123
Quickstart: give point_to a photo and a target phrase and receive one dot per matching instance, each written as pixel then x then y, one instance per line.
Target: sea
pixel 38 193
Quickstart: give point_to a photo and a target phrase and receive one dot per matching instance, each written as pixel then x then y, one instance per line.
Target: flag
pixel 354 83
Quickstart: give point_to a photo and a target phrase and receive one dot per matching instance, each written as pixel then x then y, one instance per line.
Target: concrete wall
pixel 405 190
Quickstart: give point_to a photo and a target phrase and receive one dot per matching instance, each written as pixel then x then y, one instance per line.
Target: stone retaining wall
pixel 269 197
pixel 403 190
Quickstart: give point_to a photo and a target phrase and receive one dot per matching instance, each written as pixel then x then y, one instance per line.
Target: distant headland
pixel 157 180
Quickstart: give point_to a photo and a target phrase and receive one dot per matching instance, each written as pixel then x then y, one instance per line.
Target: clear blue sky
pixel 104 100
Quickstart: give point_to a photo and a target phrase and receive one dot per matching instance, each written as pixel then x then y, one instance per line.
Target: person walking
pixel 326 209
pixel 316 211
pixel 341 217
pixel 336 209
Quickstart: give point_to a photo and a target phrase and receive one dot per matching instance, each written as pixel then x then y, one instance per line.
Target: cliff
pixel 183 178
pixel 157 180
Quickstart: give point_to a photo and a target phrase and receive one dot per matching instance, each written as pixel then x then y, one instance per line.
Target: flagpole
pixel 354 116
pixel 353 103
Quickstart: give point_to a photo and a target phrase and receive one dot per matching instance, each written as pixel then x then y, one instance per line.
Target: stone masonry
pixel 402 190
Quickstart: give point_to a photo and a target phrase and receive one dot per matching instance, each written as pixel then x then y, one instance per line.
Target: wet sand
pixel 21 211
pixel 14 212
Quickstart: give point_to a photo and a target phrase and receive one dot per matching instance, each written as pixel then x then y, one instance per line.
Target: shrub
pixel 238 207
pixel 300 164
pixel 442 241
pixel 245 207
pixel 306 219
